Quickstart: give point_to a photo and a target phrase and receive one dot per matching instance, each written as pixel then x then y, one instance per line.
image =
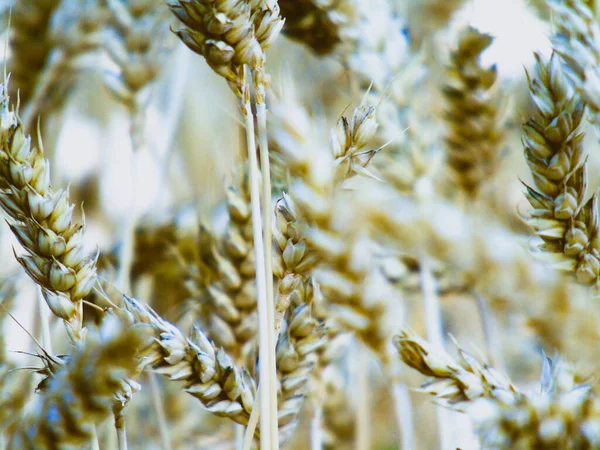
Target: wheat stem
pixel 263 307
pixel 404 416
pixel 433 319
pixel 261 116
pixel 252 423
pixel 163 426
pixel 316 427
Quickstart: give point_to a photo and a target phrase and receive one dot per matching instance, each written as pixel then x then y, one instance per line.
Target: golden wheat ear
pixel 42 221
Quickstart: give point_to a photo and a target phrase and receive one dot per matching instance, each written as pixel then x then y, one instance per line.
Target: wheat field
pixel 300 224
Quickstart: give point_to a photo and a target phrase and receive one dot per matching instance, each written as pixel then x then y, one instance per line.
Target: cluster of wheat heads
pixel 301 184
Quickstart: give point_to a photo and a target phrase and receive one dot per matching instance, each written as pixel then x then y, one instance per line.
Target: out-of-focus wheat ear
pixel 428 16
pixel 75 30
pixel 566 224
pixel 30 44
pixel 564 414
pixel 300 343
pixel 322 27
pixel 223 281
pixel 453 384
pixel 16 386
pixel 474 131
pixel 138 41
pixel 576 39
pixel 83 389
pixel 42 221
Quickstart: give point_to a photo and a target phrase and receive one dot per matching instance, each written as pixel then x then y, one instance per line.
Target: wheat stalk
pixel 233 37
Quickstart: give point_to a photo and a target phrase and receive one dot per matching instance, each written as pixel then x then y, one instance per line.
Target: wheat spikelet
pixel 137 45
pixel 30 44
pixel 453 384
pixel 224 286
pixel 563 415
pixel 209 373
pixel 473 132
pixel 553 150
pixel 229 34
pixel 320 25
pixel 81 393
pixel 298 352
pixel 577 41
pixel 41 219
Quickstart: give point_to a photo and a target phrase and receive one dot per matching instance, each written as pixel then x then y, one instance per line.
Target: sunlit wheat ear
pixel 30 44
pixel 208 373
pixel 576 39
pixel 42 221
pixel 474 132
pixel 228 34
pixel 562 415
pixel 320 26
pixel 81 394
pixel 562 218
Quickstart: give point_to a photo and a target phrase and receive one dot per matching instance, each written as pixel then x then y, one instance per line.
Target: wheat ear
pixel 473 132
pixel 224 282
pixel 321 26
pixel 577 40
pixel 209 373
pixel 30 44
pixel 563 415
pixel 80 394
pixel 41 219
pixel 232 37
pixel 75 31
pixel 562 218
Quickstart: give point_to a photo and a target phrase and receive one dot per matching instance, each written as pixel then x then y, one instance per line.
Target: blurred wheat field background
pixel 299 224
